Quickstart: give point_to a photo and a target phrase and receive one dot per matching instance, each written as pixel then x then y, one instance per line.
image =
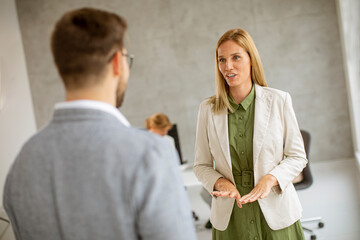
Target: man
pixel 88 174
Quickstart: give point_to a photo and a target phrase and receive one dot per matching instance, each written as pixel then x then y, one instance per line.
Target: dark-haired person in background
pixel 88 174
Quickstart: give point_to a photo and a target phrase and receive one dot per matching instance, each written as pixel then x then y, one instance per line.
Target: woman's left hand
pixel 261 190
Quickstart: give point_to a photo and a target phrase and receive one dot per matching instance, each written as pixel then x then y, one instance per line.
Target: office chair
pixel 305 180
pixel 173 132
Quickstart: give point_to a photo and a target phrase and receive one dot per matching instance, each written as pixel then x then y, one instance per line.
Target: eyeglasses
pixel 129 58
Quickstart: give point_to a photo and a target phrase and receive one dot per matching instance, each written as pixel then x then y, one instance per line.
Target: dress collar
pixel 246 102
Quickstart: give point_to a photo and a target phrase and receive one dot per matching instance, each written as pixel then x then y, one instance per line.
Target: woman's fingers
pixel 246 198
pixel 255 196
pixel 238 202
pixel 233 194
pixel 252 196
pixel 220 193
pixel 249 195
pixel 261 190
pixel 265 194
pixel 229 194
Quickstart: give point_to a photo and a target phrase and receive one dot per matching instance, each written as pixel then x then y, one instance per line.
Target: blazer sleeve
pixel 294 152
pixel 203 163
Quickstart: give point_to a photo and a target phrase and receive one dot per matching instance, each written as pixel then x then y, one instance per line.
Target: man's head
pixel 86 43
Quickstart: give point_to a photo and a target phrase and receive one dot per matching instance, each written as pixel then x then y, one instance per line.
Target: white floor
pixel 334 195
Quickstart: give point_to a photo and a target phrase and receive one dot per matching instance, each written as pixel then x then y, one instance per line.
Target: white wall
pixel 17 120
pixel 349 21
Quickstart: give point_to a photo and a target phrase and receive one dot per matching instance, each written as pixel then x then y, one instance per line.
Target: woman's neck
pixel 240 92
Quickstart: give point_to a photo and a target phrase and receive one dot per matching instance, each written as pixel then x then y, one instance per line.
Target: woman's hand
pixel 261 190
pixel 225 188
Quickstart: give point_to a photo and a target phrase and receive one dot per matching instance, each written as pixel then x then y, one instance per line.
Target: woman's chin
pixel 234 83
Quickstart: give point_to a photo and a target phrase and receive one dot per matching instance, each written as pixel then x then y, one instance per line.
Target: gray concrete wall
pixel 349 22
pixel 174 42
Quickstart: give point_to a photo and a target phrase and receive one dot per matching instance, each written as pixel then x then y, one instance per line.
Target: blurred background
pixel 309 48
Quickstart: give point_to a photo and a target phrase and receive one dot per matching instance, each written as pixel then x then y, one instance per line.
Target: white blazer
pixel 278 149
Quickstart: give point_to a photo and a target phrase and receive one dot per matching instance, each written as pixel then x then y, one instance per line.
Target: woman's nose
pixel 228 65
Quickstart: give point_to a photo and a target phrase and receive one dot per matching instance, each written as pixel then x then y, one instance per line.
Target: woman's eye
pixel 222 60
pixel 236 57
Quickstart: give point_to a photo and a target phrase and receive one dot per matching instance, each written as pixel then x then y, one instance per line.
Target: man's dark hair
pixel 83 42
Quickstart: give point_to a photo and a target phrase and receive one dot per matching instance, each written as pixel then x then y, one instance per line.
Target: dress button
pixel 242 152
pixel 252 221
pixel 241 118
pixel 241 134
pixel 255 238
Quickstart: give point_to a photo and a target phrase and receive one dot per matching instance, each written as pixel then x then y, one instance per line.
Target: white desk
pixel 189 177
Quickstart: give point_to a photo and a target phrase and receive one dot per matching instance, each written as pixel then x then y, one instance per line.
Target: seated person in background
pixel 160 124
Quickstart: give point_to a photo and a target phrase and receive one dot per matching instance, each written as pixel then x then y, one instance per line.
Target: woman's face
pixel 234 63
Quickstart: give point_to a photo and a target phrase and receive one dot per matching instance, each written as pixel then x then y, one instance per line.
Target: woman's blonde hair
pixel 158 120
pixel 243 38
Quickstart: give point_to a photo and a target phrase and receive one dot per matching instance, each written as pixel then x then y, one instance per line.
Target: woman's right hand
pixel 225 188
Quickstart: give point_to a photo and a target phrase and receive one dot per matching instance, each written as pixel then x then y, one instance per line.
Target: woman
pixel 160 124
pixel 248 148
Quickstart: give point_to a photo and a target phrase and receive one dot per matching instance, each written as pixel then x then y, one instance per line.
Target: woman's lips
pixel 230 75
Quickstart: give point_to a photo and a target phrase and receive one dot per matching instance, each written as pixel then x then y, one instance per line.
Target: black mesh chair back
pixel 173 132
pixel 307 178
pixel 306 182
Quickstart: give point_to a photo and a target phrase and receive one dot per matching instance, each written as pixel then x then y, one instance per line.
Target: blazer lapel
pixel 263 104
pixel 221 126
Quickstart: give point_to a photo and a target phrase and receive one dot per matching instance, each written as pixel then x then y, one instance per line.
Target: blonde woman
pixel 160 124
pixel 248 148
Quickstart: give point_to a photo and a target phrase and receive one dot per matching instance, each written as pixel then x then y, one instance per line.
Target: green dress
pixel 248 222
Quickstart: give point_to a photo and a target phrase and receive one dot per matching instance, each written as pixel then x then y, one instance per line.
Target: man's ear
pixel 116 63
